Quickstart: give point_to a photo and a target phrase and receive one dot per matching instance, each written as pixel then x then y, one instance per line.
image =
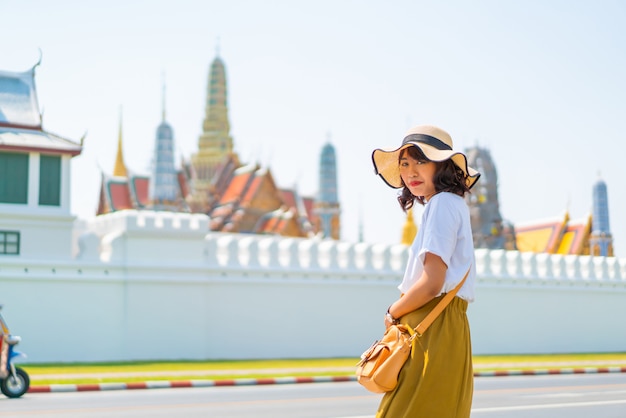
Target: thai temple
pixel 556 235
pixel 237 197
pixel 173 253
pixel 245 197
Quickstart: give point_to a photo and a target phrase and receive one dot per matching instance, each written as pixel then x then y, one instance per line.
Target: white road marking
pixel 548 406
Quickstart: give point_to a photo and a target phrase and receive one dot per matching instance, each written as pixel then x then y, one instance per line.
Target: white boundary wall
pixel 146 285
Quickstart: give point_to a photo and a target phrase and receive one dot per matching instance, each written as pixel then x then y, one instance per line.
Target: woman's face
pixel 418 175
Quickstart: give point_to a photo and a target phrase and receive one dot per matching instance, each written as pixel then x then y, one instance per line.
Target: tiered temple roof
pixel 557 235
pixel 126 189
pixel 252 203
pixel 20 120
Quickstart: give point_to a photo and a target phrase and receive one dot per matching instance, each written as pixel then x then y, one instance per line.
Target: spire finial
pixel 119 125
pixel 163 98
pixel 38 63
pixel 120 168
pixel 217 47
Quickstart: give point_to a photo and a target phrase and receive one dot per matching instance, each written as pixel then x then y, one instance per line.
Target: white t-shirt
pixel 446 231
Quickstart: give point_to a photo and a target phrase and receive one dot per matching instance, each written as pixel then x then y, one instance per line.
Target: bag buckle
pixel 367 353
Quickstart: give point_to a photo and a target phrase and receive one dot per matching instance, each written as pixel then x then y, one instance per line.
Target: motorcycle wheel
pixel 15 386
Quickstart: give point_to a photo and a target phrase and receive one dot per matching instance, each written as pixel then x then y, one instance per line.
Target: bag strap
pixel 432 315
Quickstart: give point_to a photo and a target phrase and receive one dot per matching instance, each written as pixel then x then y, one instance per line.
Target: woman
pixel 437 379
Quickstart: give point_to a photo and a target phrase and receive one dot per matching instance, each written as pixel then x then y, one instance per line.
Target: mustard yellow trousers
pixel 437 380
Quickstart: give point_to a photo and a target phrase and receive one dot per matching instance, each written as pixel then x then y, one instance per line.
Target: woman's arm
pixel 424 290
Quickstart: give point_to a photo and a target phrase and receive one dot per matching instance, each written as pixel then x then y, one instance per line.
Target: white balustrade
pixel 161 274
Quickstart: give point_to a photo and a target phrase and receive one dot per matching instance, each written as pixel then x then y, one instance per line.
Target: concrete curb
pixel 585 370
pixel 163 384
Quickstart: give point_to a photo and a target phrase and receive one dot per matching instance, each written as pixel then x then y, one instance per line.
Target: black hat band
pixel 428 140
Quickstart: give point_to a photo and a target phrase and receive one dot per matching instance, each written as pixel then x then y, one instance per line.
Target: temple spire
pixel 409 230
pixel 163 190
pixel 163 98
pixel 601 239
pixel 120 168
pixel 215 144
pixel 326 206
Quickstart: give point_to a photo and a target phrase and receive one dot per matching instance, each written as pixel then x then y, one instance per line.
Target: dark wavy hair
pixel 448 178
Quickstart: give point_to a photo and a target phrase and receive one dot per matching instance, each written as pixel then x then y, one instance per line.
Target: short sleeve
pixel 445 230
pixel 440 229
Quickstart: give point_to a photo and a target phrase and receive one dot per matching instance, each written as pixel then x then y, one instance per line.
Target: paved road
pixel 572 396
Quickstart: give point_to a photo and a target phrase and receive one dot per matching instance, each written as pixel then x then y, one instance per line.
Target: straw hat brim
pixel 387 164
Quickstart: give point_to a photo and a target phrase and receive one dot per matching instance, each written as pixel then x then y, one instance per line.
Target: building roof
pixel 236 188
pixel 224 173
pixel 275 222
pixel 18 99
pixel 117 194
pixel 302 207
pixel 130 192
pixel 289 197
pixel 308 203
pixel 19 139
pixel 183 183
pixel 558 235
pixel 20 119
pixel 575 237
pixel 252 189
pixel 140 186
pixel 541 237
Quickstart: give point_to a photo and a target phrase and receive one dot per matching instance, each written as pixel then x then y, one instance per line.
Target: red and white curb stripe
pixel 163 384
pixel 586 370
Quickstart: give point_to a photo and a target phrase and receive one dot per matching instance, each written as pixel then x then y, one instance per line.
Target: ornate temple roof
pixel 302 208
pixel 558 235
pixel 541 236
pixel 114 195
pixel 18 99
pixel 38 141
pixel 20 119
pixel 128 190
pixel 120 193
pixel 277 222
pixel 238 184
pixel 252 203
pixel 575 238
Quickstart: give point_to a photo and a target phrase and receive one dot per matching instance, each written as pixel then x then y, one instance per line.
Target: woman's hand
pixel 388 323
pixel 390 319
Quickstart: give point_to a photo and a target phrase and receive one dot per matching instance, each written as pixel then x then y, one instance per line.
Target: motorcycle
pixel 14 381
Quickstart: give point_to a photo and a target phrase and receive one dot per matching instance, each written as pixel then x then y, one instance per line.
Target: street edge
pixel 164 384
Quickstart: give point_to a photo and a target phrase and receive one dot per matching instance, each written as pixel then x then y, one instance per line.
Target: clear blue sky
pixel 542 84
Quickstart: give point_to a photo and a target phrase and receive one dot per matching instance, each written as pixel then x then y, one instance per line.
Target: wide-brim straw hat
pixel 435 143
